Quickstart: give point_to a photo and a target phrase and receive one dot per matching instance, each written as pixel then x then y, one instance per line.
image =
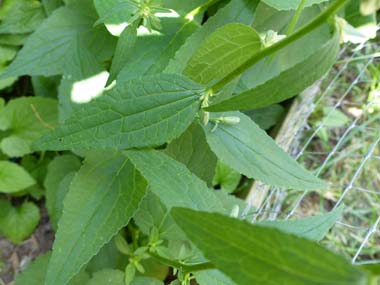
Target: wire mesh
pixel 339 139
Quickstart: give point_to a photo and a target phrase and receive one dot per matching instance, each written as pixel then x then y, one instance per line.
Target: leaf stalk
pixel 318 21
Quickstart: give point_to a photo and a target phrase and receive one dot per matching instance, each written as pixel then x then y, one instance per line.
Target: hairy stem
pixel 318 21
pixel 187 268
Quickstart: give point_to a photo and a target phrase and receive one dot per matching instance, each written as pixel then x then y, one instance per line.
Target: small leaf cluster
pixel 140 124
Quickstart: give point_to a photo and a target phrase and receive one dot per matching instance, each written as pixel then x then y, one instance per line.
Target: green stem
pixel 295 18
pixel 318 21
pixel 196 11
pixel 187 268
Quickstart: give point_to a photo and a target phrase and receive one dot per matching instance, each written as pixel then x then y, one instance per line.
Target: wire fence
pixel 335 131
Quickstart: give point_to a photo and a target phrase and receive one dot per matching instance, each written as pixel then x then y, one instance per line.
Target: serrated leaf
pixel 17 224
pixel 142 112
pixel 14 178
pixel 192 150
pixel 102 198
pixel 172 182
pixel 223 51
pixel 25 119
pixel 291 4
pixel 252 255
pixel 250 151
pixel 288 83
pixel 20 16
pixel 237 11
pixel 50 50
pixel 314 228
pixel 57 181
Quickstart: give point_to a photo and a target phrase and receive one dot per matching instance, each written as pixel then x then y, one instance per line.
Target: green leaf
pixel 142 112
pixel 314 228
pixel 103 196
pixel 222 52
pixel 37 168
pixel 20 16
pixel 288 83
pixel 108 257
pixel 227 178
pixel 146 281
pixel 153 49
pixel 169 52
pixel 7 53
pixel 250 151
pixel 13 40
pixel 24 120
pixel 212 277
pixel 291 4
pixel 115 14
pixel 57 181
pixel 123 51
pixel 17 224
pixel 51 50
pixel 172 182
pixel 192 150
pixel 107 277
pixel 267 117
pixel 253 255
pixel 153 213
pixel 14 178
pixel 236 11
pixel 35 273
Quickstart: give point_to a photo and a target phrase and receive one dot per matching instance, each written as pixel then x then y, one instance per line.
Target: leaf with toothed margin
pixel 256 255
pixel 223 51
pixel 250 151
pixel 103 197
pixel 143 112
pixel 50 50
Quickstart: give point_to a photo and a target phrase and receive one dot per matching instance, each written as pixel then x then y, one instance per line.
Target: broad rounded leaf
pixel 255 255
pixel 250 151
pixel 14 178
pixel 142 112
pixel 223 51
pixel 17 224
pixel 25 119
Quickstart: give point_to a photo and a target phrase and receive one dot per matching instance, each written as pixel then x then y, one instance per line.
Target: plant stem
pixel 295 18
pixel 190 16
pixel 318 21
pixel 187 268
